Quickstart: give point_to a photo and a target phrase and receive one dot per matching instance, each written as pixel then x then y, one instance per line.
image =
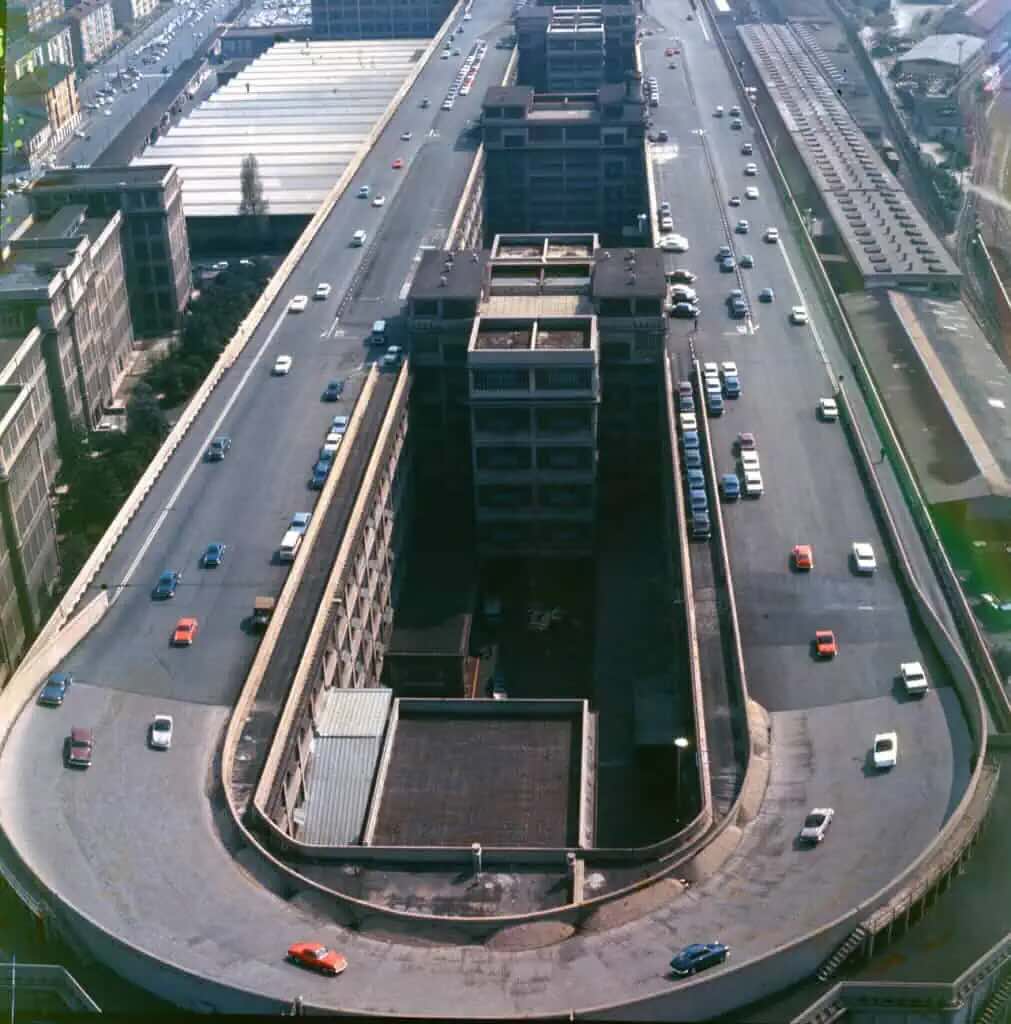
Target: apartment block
pixel 126 12
pixel 155 243
pixel 51 44
pixel 29 563
pixel 65 275
pixel 562 163
pixel 42 110
pixel 92 28
pixel 378 19
pixel 575 39
pixel 34 13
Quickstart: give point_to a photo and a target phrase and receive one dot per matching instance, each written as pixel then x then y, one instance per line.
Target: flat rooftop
pixel 498 779
pixel 303 109
pixel 504 338
pixel 883 231
pixel 101 178
pixel 445 275
pixel 540 334
pixel 541 247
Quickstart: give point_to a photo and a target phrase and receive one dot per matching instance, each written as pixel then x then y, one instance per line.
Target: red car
pixel 669 52
pixel 803 557
pixel 398 164
pixel 824 643
pixel 317 958
pixel 186 633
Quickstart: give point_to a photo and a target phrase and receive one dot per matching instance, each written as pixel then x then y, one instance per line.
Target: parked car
pixel 160 732
pixel 730 486
pixel 316 957
pixel 54 692
pixel 697 957
pixel 79 747
pixel 886 750
pixel 828 410
pixel 816 825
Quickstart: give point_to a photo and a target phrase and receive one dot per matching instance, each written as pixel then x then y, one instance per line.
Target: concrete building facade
pixel 36 13
pixel 575 50
pixel 558 163
pixel 52 44
pixel 377 19
pixel 155 242
pixel 66 276
pixel 29 563
pixel 126 12
pixel 42 109
pixel 93 30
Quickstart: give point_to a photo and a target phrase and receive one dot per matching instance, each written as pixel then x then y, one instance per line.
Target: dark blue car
pixel 319 474
pixel 213 556
pixel 730 486
pixel 698 957
pixel 166 585
pixel 55 690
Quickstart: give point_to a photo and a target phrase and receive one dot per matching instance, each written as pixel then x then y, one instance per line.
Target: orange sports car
pixel 317 957
pixel 803 557
pixel 186 632
pixel 824 643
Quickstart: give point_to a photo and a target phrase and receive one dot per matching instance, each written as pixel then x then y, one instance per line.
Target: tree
pixel 143 414
pixel 252 205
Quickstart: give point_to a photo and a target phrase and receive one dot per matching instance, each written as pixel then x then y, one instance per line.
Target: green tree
pixel 252 206
pixel 143 414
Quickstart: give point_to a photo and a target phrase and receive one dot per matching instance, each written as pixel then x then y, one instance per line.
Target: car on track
pixel 749 461
pixel 803 557
pixel 742 227
pixel 697 957
pixel 669 52
pixel 771 234
pixel 745 442
pixel 728 264
pixel 339 424
pixel 730 486
pixel 322 291
pixel 398 164
pixel 825 645
pixel 747 261
pixel 167 584
pixel 828 409
pixel 364 191
pixel 750 170
pixel 816 825
pixel 798 316
pixel 683 293
pixel 54 692
pixel 751 192
pixel 674 243
pixel 735 201
pixel 378 201
pixel 723 252
pixel 298 304
pixel 718 112
pixel 213 556
pixel 406 136
pixel 79 747
pixel 160 732
pixel 333 390
pixel 886 750
pixel 766 295
pixel 185 632
pixel 316 957
pixel 747 149
pixel 864 562
pixel 282 366
pixel 914 679
pixel 738 309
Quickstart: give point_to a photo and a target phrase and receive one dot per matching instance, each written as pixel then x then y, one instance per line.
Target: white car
pixel 282 366
pixel 666 223
pixel 729 368
pixel 742 227
pixel 718 112
pixel 710 369
pixel 816 824
pixel 753 486
pixel 379 201
pixel 688 421
pixel 358 238
pixel 914 679
pixel 772 234
pixel 406 136
pixel 751 170
pixel 751 192
pixel 749 461
pixel 300 522
pixel 863 558
pixel 828 409
pixel 161 732
pixel 322 291
pixel 298 304
pixel 447 104
pixel 886 750
pixel 339 425
pixel 674 243
pixel 798 316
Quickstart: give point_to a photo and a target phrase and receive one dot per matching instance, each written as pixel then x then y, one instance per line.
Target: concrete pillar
pixel 477 857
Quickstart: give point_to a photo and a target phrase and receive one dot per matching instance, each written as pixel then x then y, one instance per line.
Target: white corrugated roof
pixel 354 712
pixel 303 109
pixel 944 49
pixel 340 782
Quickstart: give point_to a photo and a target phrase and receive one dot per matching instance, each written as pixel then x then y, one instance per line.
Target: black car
pixel 55 690
pixel 697 957
pixel 319 474
pixel 166 586
pixel 684 311
pixel 218 449
pixel 334 390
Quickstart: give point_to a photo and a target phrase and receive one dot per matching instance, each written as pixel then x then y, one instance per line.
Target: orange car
pixel 824 643
pixel 317 958
pixel 398 164
pixel 803 557
pixel 186 632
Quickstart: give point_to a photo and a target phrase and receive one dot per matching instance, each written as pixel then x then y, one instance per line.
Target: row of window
pixel 518 459
pixel 522 496
pixel 547 422
pixel 555 379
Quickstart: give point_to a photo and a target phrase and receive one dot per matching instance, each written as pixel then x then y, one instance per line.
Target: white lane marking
pixel 814 330
pixel 865 607
pixel 702 25
pixel 197 459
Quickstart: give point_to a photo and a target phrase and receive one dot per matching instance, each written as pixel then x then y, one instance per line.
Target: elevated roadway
pixel 133 843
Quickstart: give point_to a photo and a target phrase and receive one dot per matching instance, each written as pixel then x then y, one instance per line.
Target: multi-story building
pixel 47 90
pixel 543 51
pixel 52 44
pixel 155 242
pixel 35 13
pixel 566 162
pixel 126 12
pixel 377 19
pixel 92 29
pixel 529 360
pixel 66 276
pixel 29 564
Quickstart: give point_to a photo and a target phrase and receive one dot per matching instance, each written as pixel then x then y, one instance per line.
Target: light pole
pixel 681 743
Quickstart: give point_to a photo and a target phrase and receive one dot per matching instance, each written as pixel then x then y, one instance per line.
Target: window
pixel 564 379
pixel 500 380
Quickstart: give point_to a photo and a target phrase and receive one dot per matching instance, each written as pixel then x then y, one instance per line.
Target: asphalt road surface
pixel 132 842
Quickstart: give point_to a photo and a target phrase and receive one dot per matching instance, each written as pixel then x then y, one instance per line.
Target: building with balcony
pixel 65 275
pixel 46 91
pixel 29 564
pixel 126 12
pixel 378 19
pixel 92 29
pixel 579 38
pixel 51 44
pixel 33 13
pixel 564 163
pixel 155 242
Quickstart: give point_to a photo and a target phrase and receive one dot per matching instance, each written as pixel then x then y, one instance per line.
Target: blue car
pixel 693 459
pixel 698 501
pixel 695 479
pixel 213 556
pixel 714 403
pixel 319 474
pixel 698 957
pixel 166 585
pixel 55 690
pixel 730 486
pixel 731 387
pixel 690 440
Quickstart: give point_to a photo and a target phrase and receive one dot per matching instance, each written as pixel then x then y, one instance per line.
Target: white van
pixel 358 238
pixel 290 543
